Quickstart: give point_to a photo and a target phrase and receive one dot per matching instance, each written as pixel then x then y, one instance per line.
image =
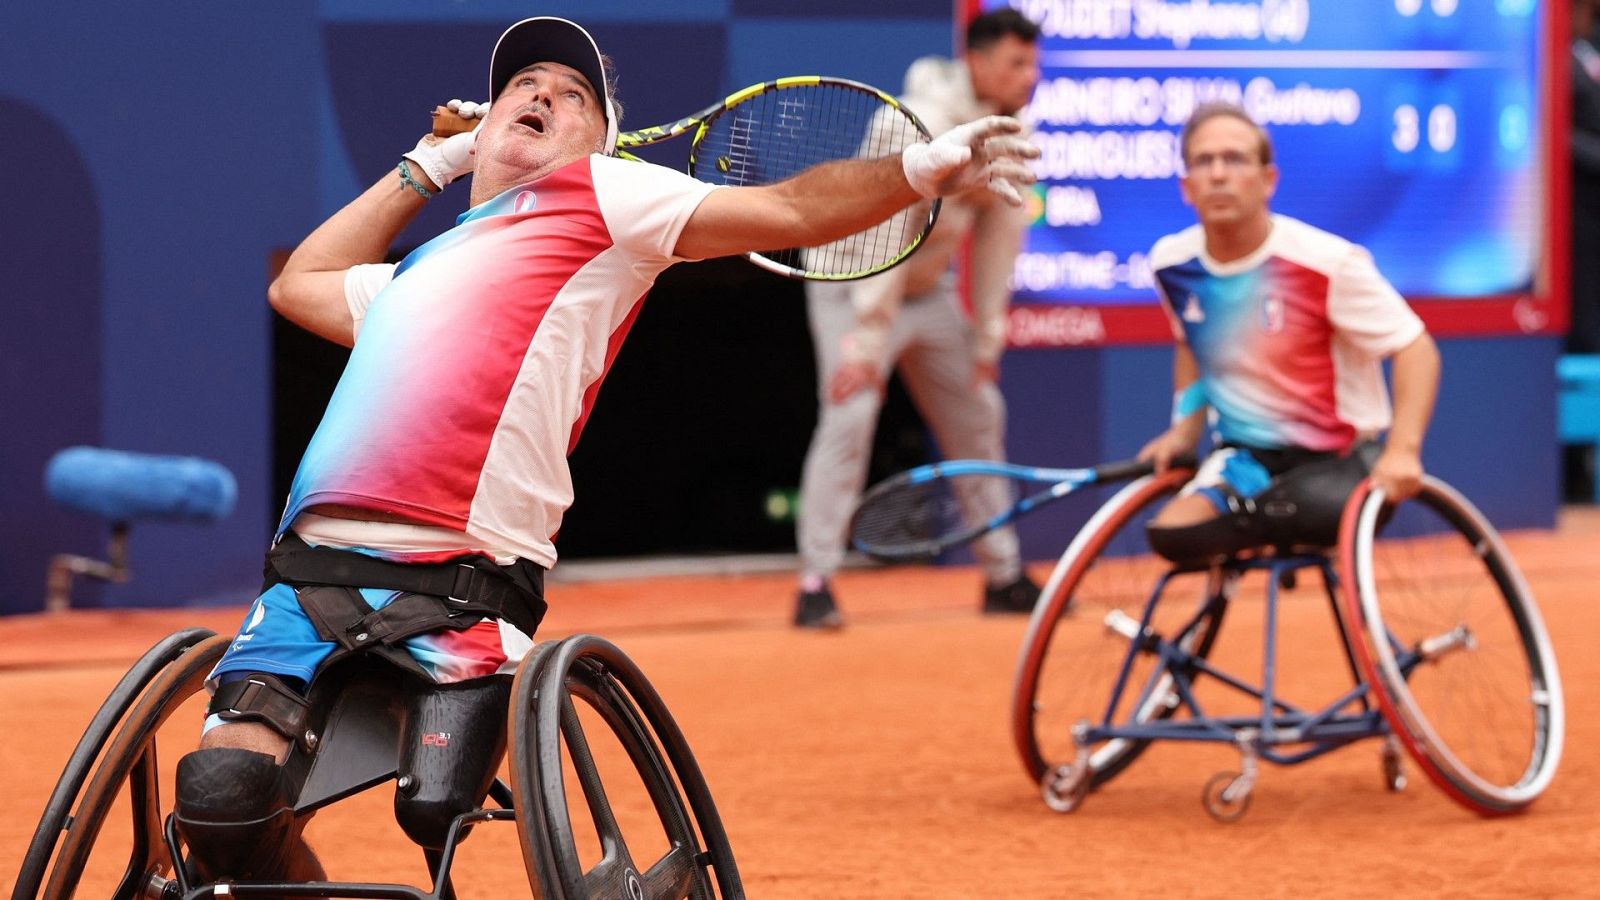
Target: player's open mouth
pixel 532 120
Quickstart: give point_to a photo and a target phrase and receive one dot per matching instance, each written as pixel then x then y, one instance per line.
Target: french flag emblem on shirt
pixel 1271 313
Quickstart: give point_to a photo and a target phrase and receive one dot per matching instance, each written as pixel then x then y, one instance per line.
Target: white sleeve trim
pixel 646 206
pixel 1366 311
pixel 361 284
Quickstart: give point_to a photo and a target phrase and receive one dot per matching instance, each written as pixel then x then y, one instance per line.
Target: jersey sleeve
pixel 645 205
pixel 1366 311
pixel 1159 257
pixel 361 284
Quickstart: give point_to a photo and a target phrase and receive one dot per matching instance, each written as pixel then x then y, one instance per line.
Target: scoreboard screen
pixel 1419 129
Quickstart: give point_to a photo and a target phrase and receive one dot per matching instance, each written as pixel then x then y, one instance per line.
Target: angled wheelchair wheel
pixel 1081 632
pixel 58 808
pixel 126 779
pixel 1445 628
pixel 649 829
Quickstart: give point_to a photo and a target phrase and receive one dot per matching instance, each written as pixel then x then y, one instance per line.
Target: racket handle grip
pixel 1123 470
pixel 1127 469
pixel 447 123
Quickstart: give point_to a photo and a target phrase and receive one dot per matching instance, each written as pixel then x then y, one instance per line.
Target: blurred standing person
pixel 911 318
pixel 1584 334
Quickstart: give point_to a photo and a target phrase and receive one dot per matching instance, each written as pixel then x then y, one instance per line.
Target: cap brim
pixel 557 40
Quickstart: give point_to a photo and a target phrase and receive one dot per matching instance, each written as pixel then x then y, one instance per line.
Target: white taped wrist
pixel 445 161
pixel 926 166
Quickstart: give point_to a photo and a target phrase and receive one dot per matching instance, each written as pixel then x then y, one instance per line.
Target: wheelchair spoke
pixel 634 719
pixel 612 701
pixel 672 875
pixel 145 791
pixel 605 821
pixel 615 876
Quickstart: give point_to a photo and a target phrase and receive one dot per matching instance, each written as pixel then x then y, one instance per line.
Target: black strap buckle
pixel 465 581
pixel 246 701
pixel 263 698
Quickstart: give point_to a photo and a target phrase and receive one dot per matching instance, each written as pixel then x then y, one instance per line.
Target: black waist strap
pixel 1278 460
pixel 514 593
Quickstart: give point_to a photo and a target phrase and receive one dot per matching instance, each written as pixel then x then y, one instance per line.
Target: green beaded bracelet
pixel 410 182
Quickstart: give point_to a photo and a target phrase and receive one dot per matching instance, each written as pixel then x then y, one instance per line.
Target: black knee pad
pixel 233 809
pixel 1224 535
pixel 454 738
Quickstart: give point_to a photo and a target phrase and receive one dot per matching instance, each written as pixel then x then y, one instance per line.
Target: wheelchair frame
pixel 1171 684
pixel 1164 704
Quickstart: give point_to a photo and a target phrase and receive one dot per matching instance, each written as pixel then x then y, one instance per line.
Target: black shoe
pixel 1017 597
pixel 815 609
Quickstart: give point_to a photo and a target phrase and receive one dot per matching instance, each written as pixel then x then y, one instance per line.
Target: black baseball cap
pixel 557 40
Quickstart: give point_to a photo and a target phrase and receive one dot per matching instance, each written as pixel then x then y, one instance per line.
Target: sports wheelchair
pixel 357 724
pixel 1446 652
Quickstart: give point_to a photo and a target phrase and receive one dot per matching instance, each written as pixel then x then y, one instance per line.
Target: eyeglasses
pixel 1232 161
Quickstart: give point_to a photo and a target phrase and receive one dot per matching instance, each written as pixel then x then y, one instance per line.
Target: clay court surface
pixel 877 763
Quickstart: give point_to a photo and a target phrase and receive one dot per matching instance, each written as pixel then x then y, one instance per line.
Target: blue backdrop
pixel 160 152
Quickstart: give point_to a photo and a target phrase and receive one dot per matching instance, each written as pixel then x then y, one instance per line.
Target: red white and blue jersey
pixel 1290 339
pixel 477 359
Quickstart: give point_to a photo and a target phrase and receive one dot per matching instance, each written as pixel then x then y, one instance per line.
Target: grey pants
pixel 931 346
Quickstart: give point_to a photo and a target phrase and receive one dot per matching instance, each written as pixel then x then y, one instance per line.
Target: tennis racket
pixel 771 131
pixel 922 512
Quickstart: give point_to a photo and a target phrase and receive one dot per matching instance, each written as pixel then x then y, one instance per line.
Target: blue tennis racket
pixel 922 512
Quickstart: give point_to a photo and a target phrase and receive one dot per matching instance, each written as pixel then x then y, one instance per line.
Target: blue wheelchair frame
pixel 1350 717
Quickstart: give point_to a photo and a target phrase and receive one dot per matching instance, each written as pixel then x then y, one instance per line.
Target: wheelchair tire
pixel 130 761
pixel 1444 628
pixel 53 822
pixel 1069 658
pixel 699 862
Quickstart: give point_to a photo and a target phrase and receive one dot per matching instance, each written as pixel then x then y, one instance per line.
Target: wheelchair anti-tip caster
pixel 1227 796
pixel 1064 787
pixel 1394 773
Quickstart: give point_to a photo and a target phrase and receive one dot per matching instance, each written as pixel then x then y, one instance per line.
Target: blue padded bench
pixel 1578 403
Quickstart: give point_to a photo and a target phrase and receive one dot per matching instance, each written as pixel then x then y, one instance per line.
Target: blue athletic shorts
pixel 278 637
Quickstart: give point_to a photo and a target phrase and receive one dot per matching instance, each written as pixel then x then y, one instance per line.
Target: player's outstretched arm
pixel 832 200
